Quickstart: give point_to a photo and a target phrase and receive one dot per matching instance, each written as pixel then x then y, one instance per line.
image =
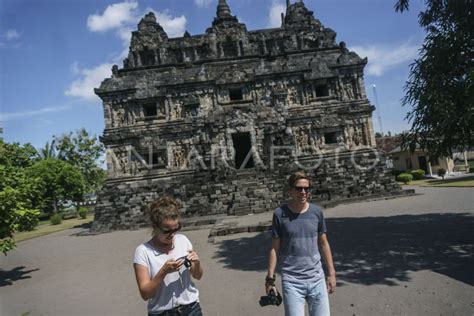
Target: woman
pixel 164 264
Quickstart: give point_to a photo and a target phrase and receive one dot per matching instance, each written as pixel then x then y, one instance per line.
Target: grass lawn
pixel 457 182
pixel 45 228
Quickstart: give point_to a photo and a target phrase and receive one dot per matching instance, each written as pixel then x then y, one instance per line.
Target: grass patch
pixel 46 228
pixel 453 183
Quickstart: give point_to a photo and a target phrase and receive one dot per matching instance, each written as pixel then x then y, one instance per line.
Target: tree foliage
pixel 32 180
pixel 83 151
pixel 60 181
pixel 20 195
pixel 440 84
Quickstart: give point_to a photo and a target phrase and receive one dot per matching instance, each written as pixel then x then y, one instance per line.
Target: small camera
pixel 186 262
pixel 271 299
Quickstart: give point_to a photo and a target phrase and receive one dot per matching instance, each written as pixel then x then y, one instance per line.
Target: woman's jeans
pixel 193 309
pixel 296 294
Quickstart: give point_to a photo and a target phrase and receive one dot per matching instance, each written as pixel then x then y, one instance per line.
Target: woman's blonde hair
pixel 165 207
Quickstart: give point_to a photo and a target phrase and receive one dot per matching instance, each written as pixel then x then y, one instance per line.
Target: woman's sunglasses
pixel 170 231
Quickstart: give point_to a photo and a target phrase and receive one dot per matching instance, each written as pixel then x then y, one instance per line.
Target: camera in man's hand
pixel 271 299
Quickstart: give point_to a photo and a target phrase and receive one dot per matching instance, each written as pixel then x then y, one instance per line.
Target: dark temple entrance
pixel 243 150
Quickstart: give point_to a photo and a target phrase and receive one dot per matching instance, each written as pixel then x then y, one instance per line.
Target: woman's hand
pixel 196 269
pixel 172 266
pixel 193 256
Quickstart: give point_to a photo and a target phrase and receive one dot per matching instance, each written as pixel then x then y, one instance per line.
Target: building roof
pixel 387 143
pixel 400 149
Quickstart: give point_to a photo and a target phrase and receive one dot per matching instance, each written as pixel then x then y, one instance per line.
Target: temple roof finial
pixel 223 9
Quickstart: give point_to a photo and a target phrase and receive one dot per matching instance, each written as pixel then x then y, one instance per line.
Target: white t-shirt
pixel 177 287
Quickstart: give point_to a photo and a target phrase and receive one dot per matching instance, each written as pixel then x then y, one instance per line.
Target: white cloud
pixel 274 15
pixel 10 116
pixel 75 68
pixel 114 16
pixel 89 79
pixel 123 18
pixel 386 56
pixel 203 3
pixel 9 38
pixel 10 35
pixel 173 26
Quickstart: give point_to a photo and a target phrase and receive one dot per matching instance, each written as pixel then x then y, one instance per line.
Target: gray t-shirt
pixel 299 257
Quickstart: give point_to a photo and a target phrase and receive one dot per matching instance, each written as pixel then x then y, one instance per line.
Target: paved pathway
pixel 406 256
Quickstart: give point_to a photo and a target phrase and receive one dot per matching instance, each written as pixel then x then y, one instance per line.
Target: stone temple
pixel 220 119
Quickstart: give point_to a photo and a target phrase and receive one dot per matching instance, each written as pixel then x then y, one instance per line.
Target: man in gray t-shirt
pixel 298 233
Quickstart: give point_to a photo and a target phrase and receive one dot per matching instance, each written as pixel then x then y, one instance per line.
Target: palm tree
pixel 48 151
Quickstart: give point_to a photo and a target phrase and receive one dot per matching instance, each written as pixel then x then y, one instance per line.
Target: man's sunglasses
pixel 170 231
pixel 300 189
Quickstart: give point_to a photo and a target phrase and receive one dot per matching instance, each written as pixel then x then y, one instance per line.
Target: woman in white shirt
pixel 164 264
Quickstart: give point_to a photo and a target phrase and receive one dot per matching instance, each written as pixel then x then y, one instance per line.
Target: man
pixel 298 234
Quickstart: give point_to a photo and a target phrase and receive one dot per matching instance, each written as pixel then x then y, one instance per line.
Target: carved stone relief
pixel 179 157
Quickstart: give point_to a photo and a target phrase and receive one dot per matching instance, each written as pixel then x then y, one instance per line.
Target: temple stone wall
pixel 219 120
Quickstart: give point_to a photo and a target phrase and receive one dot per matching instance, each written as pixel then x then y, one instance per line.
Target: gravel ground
pixel 405 256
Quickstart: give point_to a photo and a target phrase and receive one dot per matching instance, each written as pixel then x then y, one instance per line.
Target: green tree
pixel 439 88
pixel 83 151
pixel 15 155
pixel 19 194
pixel 60 181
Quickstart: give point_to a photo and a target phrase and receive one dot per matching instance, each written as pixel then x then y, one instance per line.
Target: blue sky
pixel 54 52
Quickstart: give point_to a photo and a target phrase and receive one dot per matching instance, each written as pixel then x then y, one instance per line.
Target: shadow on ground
pixel 15 274
pixel 379 250
pixel 84 225
pixel 435 182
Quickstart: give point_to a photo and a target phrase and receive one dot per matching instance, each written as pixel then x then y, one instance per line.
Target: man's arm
pixel 327 255
pixel 272 261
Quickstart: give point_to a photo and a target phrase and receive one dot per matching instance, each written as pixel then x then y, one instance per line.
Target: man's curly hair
pixel 165 207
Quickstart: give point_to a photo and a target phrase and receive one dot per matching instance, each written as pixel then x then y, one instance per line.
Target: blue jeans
pixel 296 294
pixel 193 309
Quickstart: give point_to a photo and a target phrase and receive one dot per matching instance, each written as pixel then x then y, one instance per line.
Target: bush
pixel 68 214
pixel 404 177
pixel 83 212
pixel 417 174
pixel 441 172
pixel 56 219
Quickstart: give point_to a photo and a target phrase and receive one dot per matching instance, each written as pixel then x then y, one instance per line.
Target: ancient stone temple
pixel 218 120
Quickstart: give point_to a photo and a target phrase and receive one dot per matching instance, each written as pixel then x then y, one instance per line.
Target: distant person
pixel 164 264
pixel 298 236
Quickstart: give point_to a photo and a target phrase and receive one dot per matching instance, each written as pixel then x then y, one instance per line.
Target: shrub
pixel 404 177
pixel 417 174
pixel 441 172
pixel 56 219
pixel 68 214
pixel 83 213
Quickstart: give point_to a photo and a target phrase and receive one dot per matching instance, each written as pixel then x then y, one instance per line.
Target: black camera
pixel 271 299
pixel 186 263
